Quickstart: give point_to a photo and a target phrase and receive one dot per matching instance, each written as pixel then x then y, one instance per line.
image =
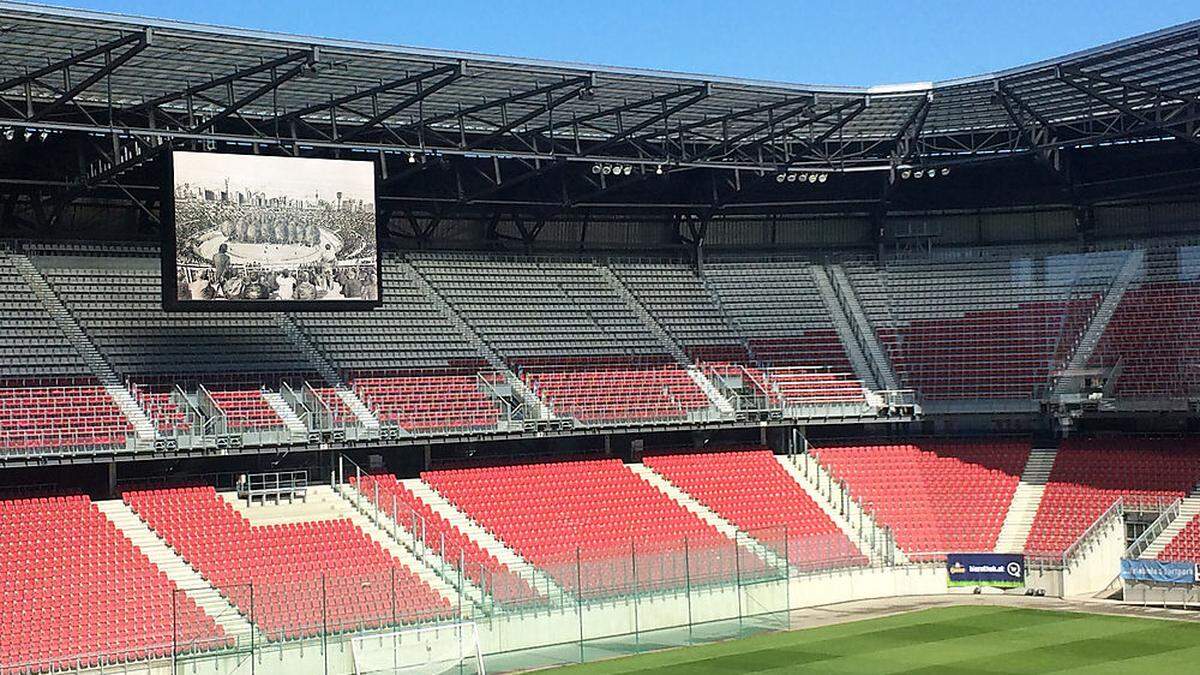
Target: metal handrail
pixel 1160 524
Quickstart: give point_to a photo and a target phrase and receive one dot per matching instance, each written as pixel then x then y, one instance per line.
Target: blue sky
pixel 851 42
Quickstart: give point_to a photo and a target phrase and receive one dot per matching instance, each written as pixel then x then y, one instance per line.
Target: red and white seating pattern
pixel 618 393
pixel 33 416
pixel 1152 334
pixel 338 409
pixel 1090 474
pixel 246 409
pixel 989 327
pixel 75 593
pixel 752 491
pixel 307 577
pixel 162 409
pixel 1186 544
pixel 586 522
pixel 426 402
pixel 439 535
pixel 937 497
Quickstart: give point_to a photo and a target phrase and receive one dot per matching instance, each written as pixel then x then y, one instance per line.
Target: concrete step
pixel 296 334
pixel 538 579
pixel 1188 510
pixel 837 314
pixel 1027 498
pixel 188 580
pixel 848 526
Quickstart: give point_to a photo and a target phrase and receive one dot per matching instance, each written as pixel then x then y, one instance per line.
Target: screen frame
pixel 170 264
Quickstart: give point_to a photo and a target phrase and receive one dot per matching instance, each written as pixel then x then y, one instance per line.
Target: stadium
pixel 712 374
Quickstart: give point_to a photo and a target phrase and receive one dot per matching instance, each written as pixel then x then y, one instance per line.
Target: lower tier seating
pixel 75 592
pixel 606 394
pixel 427 402
pixel 440 536
pixel 33 416
pixel 306 577
pixel 750 489
pixel 937 497
pixel 1090 474
pixel 593 525
pixel 1186 544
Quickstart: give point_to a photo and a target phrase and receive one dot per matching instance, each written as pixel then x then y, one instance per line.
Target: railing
pixel 1115 511
pixel 1161 523
pixel 219 423
pixel 304 411
pixel 879 539
pixel 277 485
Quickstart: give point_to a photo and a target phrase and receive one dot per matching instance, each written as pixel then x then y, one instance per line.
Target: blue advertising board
pixel 986 569
pixel 1159 571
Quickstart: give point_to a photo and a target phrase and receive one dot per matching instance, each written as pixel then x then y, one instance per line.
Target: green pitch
pixel 964 639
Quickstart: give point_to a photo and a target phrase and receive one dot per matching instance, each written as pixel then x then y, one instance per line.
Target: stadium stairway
pixel 1026 500
pixel 668 343
pixel 837 314
pixel 293 423
pixel 860 536
pixel 508 557
pixel 176 569
pixel 877 356
pixel 340 507
pixel 706 514
pixel 142 426
pixel 429 559
pixel 535 407
pixel 1134 263
pixel 1188 510
pixel 327 371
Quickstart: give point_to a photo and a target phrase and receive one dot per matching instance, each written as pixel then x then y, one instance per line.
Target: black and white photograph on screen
pixel 274 229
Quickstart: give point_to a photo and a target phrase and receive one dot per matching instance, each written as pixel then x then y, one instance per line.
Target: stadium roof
pixel 149 80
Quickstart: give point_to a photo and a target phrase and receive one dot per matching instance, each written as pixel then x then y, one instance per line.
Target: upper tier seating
pixel 597 510
pixel 428 402
pixel 676 297
pixel 74 591
pixel 79 414
pixel 986 327
pixel 288 565
pixel 937 497
pixel 791 339
pixel 750 489
pixel 1153 335
pixel 118 302
pixel 620 392
pixel 31 345
pixel 569 334
pixel 1090 474
pixel 777 306
pixel 440 536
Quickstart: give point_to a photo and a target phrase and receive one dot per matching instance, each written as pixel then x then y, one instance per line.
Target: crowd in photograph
pixel 307 282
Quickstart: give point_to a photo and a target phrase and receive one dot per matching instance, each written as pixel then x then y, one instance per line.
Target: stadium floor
pixel 957 639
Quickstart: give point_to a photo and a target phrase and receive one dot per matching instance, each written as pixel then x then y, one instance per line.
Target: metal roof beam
pixel 381 88
pixel 105 48
pixel 511 98
pixel 223 80
pixel 259 92
pixel 618 109
pixel 1142 88
pixel 756 129
pixel 378 118
pixel 101 73
pixel 1065 76
pixel 647 123
pixel 549 107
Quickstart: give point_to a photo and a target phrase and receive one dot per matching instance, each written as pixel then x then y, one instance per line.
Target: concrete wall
pixel 624 616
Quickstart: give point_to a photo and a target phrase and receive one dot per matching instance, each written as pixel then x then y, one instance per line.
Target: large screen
pixel 270 233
